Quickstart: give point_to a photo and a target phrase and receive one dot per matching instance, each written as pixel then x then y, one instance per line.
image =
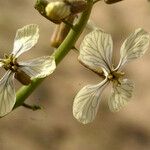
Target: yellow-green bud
pixel 57 11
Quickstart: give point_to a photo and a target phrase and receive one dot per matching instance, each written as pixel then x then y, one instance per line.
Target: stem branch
pixel 25 91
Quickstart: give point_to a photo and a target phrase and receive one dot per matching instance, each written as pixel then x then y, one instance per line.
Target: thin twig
pixel 32 107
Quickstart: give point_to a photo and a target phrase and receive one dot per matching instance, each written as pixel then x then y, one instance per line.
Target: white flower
pixel 96 53
pixel 25 39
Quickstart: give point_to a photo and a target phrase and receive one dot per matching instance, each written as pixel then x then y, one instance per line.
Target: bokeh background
pixel 54 127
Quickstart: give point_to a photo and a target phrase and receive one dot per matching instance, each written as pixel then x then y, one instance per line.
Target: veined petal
pixel 122 92
pixel 25 39
pixel 86 102
pixel 96 51
pixel 38 67
pixel 134 46
pixel 7 93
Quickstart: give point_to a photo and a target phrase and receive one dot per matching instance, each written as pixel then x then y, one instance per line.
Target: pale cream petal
pixel 96 51
pixel 25 39
pixel 134 46
pixel 7 93
pixel 39 67
pixel 86 102
pixel 1 64
pixel 122 92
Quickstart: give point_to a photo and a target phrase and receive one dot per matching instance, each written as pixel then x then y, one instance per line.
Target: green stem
pixel 69 42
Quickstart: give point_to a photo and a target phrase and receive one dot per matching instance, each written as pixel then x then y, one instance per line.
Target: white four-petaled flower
pixel 25 39
pixel 96 54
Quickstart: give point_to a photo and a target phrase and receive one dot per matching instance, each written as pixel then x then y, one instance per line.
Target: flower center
pixel 10 63
pixel 115 75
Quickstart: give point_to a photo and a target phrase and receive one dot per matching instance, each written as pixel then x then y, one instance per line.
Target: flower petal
pixel 96 51
pixel 25 39
pixel 122 92
pixel 86 102
pixel 7 93
pixel 39 67
pixel 1 64
pixel 134 46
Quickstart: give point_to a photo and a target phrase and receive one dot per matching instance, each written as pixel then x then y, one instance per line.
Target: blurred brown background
pixel 54 127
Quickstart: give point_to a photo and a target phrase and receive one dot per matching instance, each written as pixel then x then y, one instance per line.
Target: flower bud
pixel 61 32
pixel 60 10
pixel 77 6
pixel 57 11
